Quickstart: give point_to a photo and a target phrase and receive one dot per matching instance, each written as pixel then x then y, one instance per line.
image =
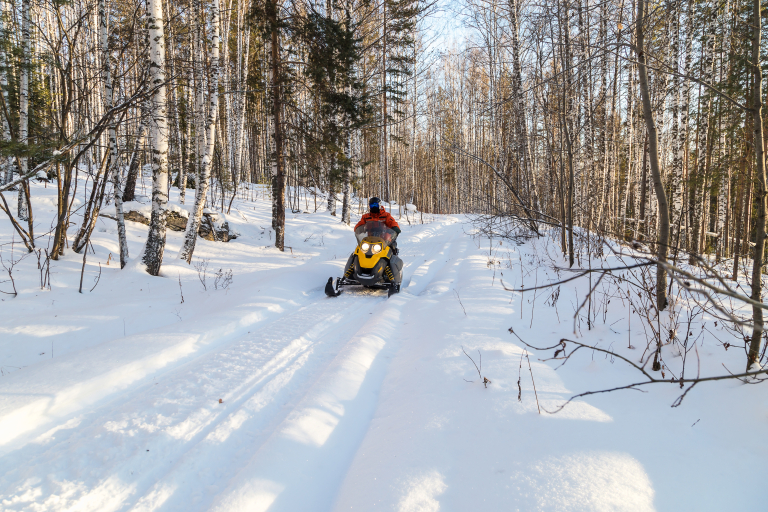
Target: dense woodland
pixel 633 120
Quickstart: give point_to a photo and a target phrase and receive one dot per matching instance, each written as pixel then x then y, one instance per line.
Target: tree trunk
pixel 278 176
pixel 193 223
pixel 384 138
pixel 158 135
pixel 641 218
pixel 112 168
pixel 760 194
pixel 6 168
pixel 129 192
pixel 653 154
pixel 23 205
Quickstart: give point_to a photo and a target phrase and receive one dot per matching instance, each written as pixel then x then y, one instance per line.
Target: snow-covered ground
pixel 266 395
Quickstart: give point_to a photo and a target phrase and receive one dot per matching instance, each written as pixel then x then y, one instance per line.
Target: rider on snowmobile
pixel 377 212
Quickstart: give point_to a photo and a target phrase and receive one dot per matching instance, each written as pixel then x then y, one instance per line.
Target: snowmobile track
pixel 168 430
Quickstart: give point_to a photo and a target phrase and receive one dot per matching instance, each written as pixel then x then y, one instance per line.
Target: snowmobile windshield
pixel 375 228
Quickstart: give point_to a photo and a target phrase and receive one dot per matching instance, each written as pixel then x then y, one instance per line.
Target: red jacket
pixel 383 216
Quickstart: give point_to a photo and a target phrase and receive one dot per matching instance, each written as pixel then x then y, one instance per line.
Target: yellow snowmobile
pixel 374 264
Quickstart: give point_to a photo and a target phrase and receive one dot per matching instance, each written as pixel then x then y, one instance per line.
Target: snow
pixel 266 395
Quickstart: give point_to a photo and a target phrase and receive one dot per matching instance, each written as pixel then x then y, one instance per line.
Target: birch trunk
pixel 676 176
pixel 193 223
pixel 158 135
pixel 112 166
pixel 23 206
pixel 6 167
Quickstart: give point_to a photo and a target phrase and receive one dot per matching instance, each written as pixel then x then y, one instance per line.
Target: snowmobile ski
pixel 330 290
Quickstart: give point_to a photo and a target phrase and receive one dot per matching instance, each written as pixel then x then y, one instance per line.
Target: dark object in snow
pixel 330 290
pixel 213 226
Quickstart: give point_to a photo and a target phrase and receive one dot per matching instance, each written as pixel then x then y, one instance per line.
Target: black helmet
pixel 373 204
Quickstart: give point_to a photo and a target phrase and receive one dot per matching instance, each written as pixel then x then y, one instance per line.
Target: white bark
pixel 193 223
pixel 23 207
pixel 6 164
pixel 158 134
pixel 112 166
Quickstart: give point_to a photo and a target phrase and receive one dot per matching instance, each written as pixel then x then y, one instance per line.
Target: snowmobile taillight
pixel 364 246
pixel 376 249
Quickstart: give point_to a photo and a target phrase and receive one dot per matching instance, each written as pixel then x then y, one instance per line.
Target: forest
pixel 639 122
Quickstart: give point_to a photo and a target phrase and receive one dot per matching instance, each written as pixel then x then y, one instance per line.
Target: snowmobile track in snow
pixel 266 380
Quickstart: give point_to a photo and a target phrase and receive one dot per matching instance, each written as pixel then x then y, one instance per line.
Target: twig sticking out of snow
pixel 534 382
pixel 485 380
pixel 460 303
pixel 750 377
pixel 98 278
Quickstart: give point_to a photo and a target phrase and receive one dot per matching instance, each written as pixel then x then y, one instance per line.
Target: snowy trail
pixel 353 403
pixel 181 410
pixel 173 432
pixel 303 461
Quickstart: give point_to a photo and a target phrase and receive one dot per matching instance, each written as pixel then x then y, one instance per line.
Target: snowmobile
pixel 374 264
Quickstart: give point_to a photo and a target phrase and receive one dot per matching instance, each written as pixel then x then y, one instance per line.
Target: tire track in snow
pixel 172 411
pixel 33 403
pixel 305 460
pixel 166 495
pixel 154 425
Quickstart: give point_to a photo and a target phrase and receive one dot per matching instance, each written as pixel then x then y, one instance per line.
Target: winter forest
pixel 581 193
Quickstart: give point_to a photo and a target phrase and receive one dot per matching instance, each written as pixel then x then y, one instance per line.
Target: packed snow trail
pixel 269 396
pixel 171 432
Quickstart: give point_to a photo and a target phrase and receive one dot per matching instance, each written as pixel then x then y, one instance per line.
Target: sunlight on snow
pixel 596 481
pixel 503 359
pixel 155 499
pixel 23 419
pixel 576 410
pixel 48 436
pixel 422 493
pixel 110 495
pixel 257 497
pixel 40 331
pixel 257 402
pixel 313 426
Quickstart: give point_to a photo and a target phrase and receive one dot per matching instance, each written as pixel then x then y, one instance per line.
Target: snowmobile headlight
pixel 365 246
pixel 376 248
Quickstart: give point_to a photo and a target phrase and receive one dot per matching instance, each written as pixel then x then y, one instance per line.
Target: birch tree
pixel 23 204
pixel 158 135
pixel 193 222
pixel 112 159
